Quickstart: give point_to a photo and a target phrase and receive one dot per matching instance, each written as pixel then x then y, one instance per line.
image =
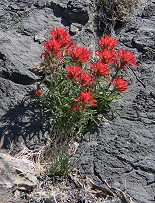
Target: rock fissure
pixel 18 78
pixel 68 11
pixel 137 166
pixel 97 174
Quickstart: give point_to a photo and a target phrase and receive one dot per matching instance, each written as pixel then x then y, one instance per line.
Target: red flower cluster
pixel 75 74
pixel 60 41
pixel 106 52
pixel 124 59
pixel 61 47
pixel 62 37
pixel 79 55
pixel 37 93
pixel 107 43
pixel 84 99
pixel 99 69
pixel 85 79
pixel 105 56
pixel 108 55
pixel 119 84
pixel 53 48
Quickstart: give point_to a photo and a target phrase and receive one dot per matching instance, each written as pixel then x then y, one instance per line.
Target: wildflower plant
pixel 76 86
pixel 61 165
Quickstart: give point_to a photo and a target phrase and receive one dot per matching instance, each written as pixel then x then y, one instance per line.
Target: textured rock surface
pixel 16 174
pixel 120 151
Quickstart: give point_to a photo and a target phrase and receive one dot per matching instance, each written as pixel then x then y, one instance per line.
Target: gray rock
pixel 125 148
pixel 16 171
pixel 75 28
pixel 16 175
pixel 121 150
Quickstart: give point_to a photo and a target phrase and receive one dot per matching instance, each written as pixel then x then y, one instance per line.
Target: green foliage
pixel 60 165
pixel 76 87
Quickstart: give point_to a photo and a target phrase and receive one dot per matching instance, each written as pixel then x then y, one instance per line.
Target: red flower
pixel 85 79
pixel 107 43
pixel 52 47
pixel 59 33
pixel 62 37
pixel 79 54
pixel 73 72
pixel 106 56
pixel 37 93
pixel 124 59
pixel 60 41
pixel 100 69
pixel 74 108
pixel 119 84
pixel 85 99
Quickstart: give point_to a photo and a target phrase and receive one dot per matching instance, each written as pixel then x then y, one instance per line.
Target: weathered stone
pixel 16 175
pixel 75 28
pixel 16 172
pixel 120 151
pixel 124 149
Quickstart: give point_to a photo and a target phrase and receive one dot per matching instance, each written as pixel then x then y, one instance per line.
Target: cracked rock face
pixel 121 150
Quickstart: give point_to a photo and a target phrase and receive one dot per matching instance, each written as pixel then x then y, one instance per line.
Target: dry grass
pixel 70 189
pixel 115 11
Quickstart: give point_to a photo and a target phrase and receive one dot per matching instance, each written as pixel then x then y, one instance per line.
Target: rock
pixel 124 149
pixel 16 172
pixel 149 11
pixel 75 28
pixel 73 11
pixel 16 175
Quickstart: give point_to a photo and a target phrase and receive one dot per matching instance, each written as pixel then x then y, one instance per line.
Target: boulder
pixel 17 174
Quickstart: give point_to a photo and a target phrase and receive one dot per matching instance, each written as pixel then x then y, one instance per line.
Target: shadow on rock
pixel 23 124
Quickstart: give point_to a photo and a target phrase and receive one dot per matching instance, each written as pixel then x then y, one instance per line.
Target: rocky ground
pixel 120 151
